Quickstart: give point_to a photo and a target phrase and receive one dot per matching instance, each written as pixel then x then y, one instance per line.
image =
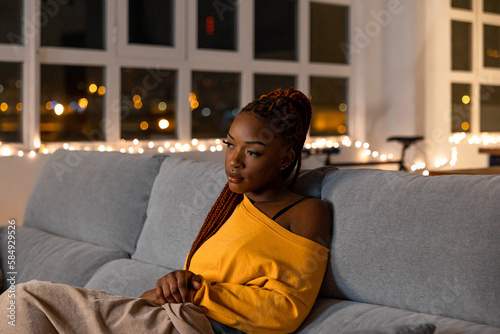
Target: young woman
pixel 259 259
pixel 256 265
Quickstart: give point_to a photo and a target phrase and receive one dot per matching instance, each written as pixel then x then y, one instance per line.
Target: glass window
pixel 275 29
pixel 10 102
pixel 462 4
pixel 264 83
pixel 329 33
pixel 217 24
pixel 461 45
pixel 460 107
pixel 151 22
pixel 215 101
pixel 148 103
pixel 490 108
pixel 329 106
pixel 491 46
pixel 10 21
pixel 491 6
pixel 74 24
pixel 72 99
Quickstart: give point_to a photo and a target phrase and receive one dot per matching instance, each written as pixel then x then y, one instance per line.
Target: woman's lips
pixel 234 178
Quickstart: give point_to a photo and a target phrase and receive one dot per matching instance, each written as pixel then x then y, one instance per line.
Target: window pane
pixel 10 21
pixel 329 33
pixel 10 102
pixel 217 24
pixel 150 22
pixel 463 4
pixel 72 99
pixel 491 46
pixel 461 45
pixel 490 108
pixel 148 103
pixel 460 107
pixel 74 24
pixel 264 83
pixel 276 29
pixel 215 102
pixel 329 106
pixel 491 6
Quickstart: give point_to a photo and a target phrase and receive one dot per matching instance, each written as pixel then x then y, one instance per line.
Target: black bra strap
pixel 285 209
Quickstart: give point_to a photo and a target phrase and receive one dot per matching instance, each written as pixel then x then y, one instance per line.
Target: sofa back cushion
pixel 182 196
pixel 96 197
pixel 428 244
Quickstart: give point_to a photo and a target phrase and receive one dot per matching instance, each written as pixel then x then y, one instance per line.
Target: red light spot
pixel 210 25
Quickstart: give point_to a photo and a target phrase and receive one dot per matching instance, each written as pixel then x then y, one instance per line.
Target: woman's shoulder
pixel 312 219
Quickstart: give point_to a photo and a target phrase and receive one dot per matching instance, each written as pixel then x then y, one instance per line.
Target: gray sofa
pixel 407 250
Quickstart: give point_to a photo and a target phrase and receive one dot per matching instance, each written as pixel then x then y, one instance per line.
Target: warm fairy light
pixel 48 105
pixel 202 148
pixel 160 149
pixel 167 144
pixel 65 146
pixel 122 150
pixel 466 99
pixel 93 88
pixel 45 151
pixel 19 106
pixel 131 149
pixel 151 144
pixel 186 147
pixel 102 148
pixel 172 150
pixel 418 165
pixel 329 144
pixel 138 105
pixel 135 141
pixel 217 141
pixel 219 148
pixel 390 155
pixel 4 106
pixel 341 129
pixel 425 173
pixel 454 156
pixel 358 144
pixel 465 126
pixel 32 154
pixel 101 90
pixel 6 151
pixel 141 150
pixel 374 154
pixel 383 157
pixel 346 141
pixel 194 142
pixel 367 152
pixel 59 109
pixel 440 162
pixel 20 153
pixel 366 145
pixel 177 146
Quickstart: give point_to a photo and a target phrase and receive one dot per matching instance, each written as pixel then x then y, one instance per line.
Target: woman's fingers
pixel 175 286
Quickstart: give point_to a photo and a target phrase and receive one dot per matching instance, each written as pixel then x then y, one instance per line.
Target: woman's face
pixel 254 156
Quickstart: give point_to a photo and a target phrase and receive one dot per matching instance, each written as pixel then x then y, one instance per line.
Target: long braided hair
pixel 288 115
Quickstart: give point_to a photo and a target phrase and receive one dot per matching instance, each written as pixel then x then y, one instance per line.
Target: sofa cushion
pixel 182 196
pixel 97 197
pixel 47 257
pixel 428 244
pixel 340 316
pixel 125 277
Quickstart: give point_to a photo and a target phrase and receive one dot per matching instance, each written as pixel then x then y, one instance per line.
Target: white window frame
pixel 184 57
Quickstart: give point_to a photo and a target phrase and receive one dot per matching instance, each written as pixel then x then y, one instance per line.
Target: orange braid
pixel 288 113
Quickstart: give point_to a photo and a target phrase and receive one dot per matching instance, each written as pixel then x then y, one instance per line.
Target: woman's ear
pixel 287 158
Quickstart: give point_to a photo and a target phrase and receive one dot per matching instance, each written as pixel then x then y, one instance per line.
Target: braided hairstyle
pixel 288 115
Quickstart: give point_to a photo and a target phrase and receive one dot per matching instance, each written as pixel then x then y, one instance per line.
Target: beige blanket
pixel 45 307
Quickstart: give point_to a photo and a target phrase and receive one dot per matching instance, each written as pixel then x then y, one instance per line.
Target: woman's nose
pixel 236 161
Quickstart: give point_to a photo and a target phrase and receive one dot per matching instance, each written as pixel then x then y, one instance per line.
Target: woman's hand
pixel 174 288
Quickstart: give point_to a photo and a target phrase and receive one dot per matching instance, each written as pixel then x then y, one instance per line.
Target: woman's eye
pixel 228 144
pixel 254 154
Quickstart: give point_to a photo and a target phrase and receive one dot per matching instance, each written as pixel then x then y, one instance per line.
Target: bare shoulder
pixel 312 219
